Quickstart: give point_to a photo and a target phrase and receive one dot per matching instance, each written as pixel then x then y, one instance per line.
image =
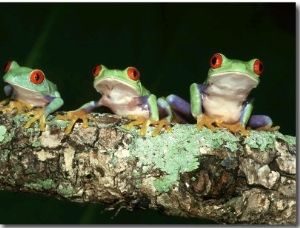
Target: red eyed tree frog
pixel 222 98
pixel 29 88
pixel 123 93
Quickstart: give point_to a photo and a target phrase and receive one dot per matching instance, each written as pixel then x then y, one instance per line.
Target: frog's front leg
pixel 196 94
pixel 240 125
pixel 165 116
pixel 80 113
pixel 160 114
pixel 146 103
pixel 138 120
pixel 42 113
pixel 38 114
pixel 172 109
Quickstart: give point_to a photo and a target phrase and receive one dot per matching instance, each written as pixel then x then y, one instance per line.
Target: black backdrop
pixel 170 44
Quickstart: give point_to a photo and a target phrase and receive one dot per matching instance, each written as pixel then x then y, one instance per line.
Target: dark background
pixel 170 44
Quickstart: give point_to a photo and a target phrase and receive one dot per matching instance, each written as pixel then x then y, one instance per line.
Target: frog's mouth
pixel 234 81
pixel 18 87
pixel 115 89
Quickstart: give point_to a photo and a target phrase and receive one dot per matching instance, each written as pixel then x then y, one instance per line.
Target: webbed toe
pixel 163 123
pixel 234 128
pixel 145 122
pixel 38 114
pixel 268 128
pixel 20 106
pixel 73 116
pixel 204 120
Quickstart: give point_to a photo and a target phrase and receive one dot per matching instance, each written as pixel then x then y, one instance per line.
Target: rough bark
pixel 221 176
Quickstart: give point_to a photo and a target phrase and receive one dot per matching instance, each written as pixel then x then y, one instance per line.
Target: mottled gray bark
pixel 216 175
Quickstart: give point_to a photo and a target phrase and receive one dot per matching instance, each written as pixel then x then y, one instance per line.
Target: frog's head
pixel 125 82
pixel 234 74
pixel 24 78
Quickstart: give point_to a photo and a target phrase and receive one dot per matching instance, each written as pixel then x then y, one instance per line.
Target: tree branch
pixel 215 175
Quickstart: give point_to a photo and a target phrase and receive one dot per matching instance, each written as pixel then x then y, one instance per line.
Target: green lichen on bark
pixel 174 154
pixel 4 155
pixel 41 184
pixel 263 140
pixel 2 132
pixel 5 136
pixel 186 172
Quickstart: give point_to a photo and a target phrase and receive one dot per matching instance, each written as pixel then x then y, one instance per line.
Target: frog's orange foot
pixel 234 128
pixel 38 114
pixel 4 102
pixel 73 116
pixel 267 128
pixel 160 124
pixel 145 122
pixel 204 120
pixel 20 106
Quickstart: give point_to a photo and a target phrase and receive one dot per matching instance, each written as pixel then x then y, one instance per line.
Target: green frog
pixel 28 88
pixel 123 93
pixel 222 100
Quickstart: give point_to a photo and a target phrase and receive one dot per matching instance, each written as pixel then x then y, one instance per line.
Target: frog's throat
pixel 108 84
pixel 233 81
pixel 17 86
pixel 32 97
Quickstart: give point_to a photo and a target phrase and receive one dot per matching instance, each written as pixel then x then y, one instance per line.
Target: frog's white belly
pixel 220 108
pixel 225 95
pixel 224 104
pixel 124 105
pixel 36 99
pixel 127 111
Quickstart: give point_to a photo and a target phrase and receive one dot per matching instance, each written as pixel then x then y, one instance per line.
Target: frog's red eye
pixel 258 67
pixel 133 73
pixel 37 76
pixel 97 70
pixel 216 61
pixel 7 66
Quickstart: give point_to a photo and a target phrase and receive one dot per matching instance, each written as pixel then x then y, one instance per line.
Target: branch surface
pixel 215 175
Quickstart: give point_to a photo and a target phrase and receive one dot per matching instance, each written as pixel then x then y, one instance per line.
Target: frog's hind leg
pixel 261 123
pixel 181 109
pixel 237 127
pixel 4 102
